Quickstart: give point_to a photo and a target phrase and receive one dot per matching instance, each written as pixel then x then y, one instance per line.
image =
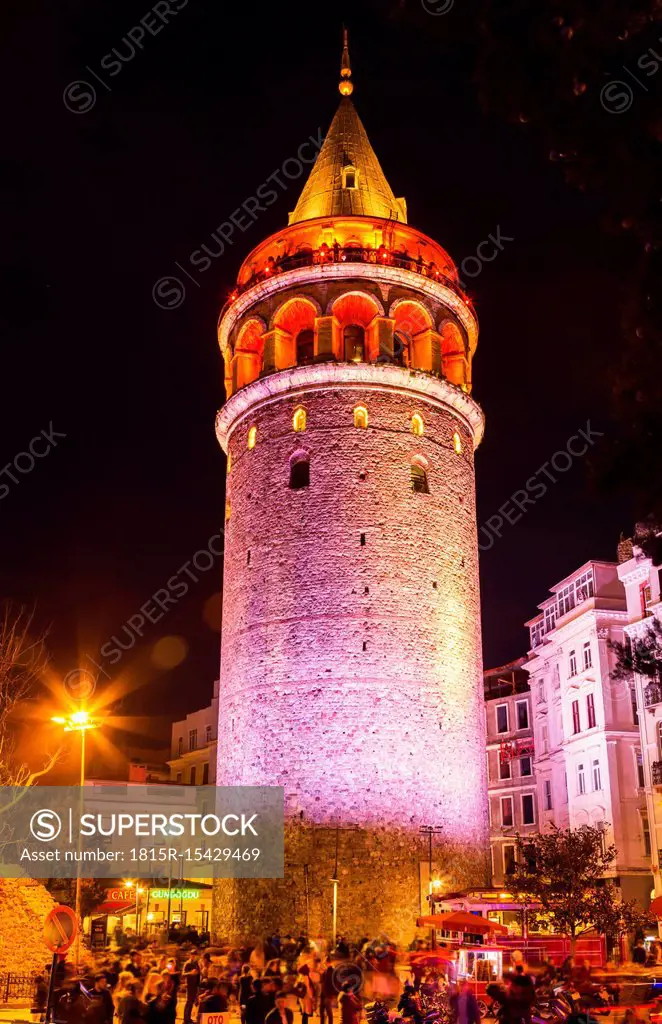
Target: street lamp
pixel 81 722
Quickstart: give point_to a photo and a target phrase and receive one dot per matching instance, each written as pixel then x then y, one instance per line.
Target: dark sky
pixel 104 203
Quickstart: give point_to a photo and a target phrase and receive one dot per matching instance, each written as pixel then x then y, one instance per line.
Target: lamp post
pixel 80 722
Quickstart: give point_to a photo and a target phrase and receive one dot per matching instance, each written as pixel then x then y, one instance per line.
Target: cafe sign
pixel 175 894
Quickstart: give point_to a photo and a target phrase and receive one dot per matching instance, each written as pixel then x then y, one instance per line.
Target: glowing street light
pixel 78 721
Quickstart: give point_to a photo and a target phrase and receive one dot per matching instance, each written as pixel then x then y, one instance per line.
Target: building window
pixel 228 511
pixel 205 774
pixel 361 417
pixel 299 420
pixel 305 347
pixel 576 724
pixel 547 791
pixel 565 599
pixel 419 479
pixel 522 714
pixel 509 860
pixel 528 813
pixel 504 769
pixel 525 766
pixel 502 717
pixel 180 746
pixel 417 425
pixel 537 632
pixel 349 176
pixel 633 704
pixel 544 739
pixel 565 784
pixel 354 341
pixel 595 772
pixel 178 778
pixel 193 739
pixel 228 467
pixel 581 780
pixel 457 443
pixel 507 811
pixel 572 664
pixel 646 832
pixel 208 734
pixel 252 437
pixel 640 770
pixel 590 710
pixel 299 472
pixel 584 586
pixel 588 657
pixel 192 776
pixel 550 618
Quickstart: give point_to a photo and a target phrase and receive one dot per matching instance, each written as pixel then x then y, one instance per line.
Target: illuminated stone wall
pixel 351 668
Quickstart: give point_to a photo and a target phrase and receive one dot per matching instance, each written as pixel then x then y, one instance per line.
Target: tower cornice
pixel 316 274
pixel 297 380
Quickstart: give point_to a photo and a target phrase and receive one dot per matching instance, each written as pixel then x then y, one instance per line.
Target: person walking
pixel 258 1005
pixel 281 1013
pixel 464 1005
pixel 328 994
pixel 304 991
pixel 162 1007
pixel 350 1005
pixel 130 1008
pixel 244 990
pixel 191 976
pixel 100 1009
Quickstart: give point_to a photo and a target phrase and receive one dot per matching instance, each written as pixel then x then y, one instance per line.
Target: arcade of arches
pixel 356 328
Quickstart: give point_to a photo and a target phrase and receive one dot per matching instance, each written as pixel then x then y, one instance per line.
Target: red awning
pixel 459 921
pixel 117 909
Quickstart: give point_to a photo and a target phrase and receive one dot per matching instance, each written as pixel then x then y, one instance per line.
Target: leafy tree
pixel 639 655
pixel 92 893
pixel 563 872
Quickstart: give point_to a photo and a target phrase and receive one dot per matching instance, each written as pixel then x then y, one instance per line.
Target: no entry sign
pixel 60 929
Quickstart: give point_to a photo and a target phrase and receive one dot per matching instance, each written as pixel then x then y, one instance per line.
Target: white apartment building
pixel 586 726
pixel 641 580
pixel 193 746
pixel 510 763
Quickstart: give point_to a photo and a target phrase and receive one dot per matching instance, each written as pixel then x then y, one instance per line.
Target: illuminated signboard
pixel 175 894
pixel 121 896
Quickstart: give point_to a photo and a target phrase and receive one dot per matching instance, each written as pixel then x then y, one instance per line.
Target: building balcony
pixel 656 773
pixel 652 695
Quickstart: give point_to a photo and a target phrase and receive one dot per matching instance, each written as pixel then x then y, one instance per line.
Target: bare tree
pixel 22 660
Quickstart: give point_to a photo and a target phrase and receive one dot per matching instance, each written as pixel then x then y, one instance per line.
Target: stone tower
pixel 351 650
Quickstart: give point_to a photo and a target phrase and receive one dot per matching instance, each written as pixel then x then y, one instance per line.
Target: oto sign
pixel 60 929
pixel 211 1018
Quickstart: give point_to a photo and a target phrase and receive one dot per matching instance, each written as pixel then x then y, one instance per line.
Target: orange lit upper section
pixel 334 239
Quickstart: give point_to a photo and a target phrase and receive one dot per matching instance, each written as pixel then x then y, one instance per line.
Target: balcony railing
pixel 656 773
pixel 652 695
pixel 327 255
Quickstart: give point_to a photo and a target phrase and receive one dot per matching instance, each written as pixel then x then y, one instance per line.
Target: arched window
pixel 361 416
pixel 229 465
pixel 305 347
pixel 457 443
pixel 659 741
pixel 401 348
pixel 417 425
pixel 299 472
pixel 349 176
pixel 354 339
pixel 228 511
pixel 299 420
pixel 252 437
pixel 419 478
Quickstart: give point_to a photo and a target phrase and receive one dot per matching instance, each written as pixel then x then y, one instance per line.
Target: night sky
pixel 105 202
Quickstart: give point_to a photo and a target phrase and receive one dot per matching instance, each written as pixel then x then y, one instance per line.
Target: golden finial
pixel 345 86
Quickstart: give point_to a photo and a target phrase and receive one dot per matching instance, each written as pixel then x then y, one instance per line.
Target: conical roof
pixel 346 178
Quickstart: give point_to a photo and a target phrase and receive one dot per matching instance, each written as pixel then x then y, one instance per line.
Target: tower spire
pixel 345 86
